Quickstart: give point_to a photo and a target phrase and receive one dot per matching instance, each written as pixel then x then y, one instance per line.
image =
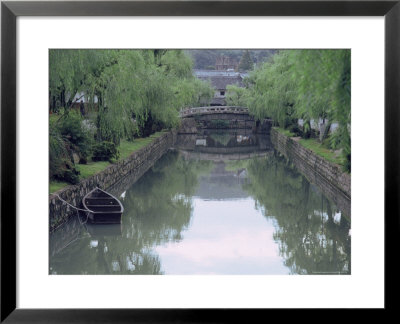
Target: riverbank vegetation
pixel 310 86
pixel 319 148
pixel 101 102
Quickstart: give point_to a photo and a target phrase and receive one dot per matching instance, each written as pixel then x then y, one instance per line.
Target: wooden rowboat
pixel 103 207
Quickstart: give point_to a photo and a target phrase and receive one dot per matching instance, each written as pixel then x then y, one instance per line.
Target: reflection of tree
pixel 227 139
pixel 310 239
pixel 109 255
pixel 157 210
pixel 157 206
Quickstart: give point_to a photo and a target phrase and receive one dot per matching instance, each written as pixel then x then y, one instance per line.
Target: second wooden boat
pixel 103 207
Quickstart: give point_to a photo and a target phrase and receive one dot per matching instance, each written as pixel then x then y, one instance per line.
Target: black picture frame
pixel 10 10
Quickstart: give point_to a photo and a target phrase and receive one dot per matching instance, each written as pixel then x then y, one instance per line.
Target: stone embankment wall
pixel 132 167
pixel 334 183
pixel 227 120
pixel 188 126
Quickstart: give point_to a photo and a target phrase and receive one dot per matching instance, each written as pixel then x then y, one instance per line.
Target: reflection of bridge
pixel 223 145
pixel 191 112
pixel 219 157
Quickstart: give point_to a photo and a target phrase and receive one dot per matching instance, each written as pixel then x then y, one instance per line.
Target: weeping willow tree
pixel 71 71
pixel 323 80
pixel 270 91
pixel 129 88
pixel 237 96
pixel 303 84
pixel 127 93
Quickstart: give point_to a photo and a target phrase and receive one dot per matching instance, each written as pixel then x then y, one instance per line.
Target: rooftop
pixel 214 73
pixel 220 82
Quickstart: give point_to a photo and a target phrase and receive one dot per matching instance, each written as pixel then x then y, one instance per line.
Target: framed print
pixel 38 285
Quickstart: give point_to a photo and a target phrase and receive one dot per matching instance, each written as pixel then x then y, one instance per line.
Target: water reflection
pixel 313 234
pixel 220 203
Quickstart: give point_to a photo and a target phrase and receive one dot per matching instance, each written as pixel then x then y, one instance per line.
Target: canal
pixel 219 202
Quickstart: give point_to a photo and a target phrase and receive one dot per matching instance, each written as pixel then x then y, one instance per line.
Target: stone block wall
pixel 188 126
pixel 132 167
pixel 334 183
pixel 226 120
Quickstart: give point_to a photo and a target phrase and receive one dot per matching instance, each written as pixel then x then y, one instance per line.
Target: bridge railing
pixel 213 110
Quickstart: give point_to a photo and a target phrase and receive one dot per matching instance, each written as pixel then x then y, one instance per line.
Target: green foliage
pixel 134 89
pixel 285 132
pixel 79 138
pixel 246 62
pixel 236 96
pixel 303 84
pixel 126 148
pixel 128 93
pixel 61 166
pixel 322 150
pixel 104 151
pixel 56 185
pixel 57 152
pixel 91 168
pixel 272 91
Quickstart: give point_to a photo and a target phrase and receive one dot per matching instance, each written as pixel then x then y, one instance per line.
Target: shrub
pixel 69 174
pixel 104 151
pixel 347 162
pixel 61 167
pixel 80 137
pixel 57 153
pixel 293 128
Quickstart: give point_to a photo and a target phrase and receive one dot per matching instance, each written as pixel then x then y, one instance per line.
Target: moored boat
pixel 103 207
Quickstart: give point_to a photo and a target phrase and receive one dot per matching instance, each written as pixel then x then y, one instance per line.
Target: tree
pixel 236 96
pixel 308 85
pixel 134 89
pixel 128 93
pixel 246 63
pixel 272 91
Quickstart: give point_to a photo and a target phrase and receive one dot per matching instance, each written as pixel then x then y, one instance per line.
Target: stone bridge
pixel 198 111
pixel 220 117
pixel 217 117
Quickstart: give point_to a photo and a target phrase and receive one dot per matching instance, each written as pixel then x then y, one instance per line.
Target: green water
pixel 196 212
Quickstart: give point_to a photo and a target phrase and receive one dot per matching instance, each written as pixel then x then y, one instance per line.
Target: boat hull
pixel 105 218
pixel 102 207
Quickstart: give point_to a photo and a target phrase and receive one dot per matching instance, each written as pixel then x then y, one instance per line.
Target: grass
pixel 126 148
pixel 56 185
pixel 285 132
pixel 91 168
pixel 321 150
pixel 314 145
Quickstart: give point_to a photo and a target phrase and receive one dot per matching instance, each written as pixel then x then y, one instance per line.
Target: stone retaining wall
pixel 226 120
pixel 132 167
pixel 334 183
pixel 188 126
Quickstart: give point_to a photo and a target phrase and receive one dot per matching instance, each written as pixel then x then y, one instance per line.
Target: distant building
pixel 81 102
pixel 220 80
pixel 224 63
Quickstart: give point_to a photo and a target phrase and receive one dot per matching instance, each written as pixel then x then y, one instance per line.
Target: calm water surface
pixel 220 203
